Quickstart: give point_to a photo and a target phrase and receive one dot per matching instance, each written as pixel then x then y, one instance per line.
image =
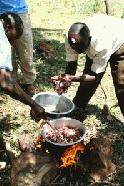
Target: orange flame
pixel 39 142
pixel 69 157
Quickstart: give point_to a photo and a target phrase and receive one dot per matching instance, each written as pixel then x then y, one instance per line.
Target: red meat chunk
pixel 63 135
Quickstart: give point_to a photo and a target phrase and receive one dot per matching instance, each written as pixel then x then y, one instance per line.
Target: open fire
pixel 93 157
pixel 60 166
pixel 69 157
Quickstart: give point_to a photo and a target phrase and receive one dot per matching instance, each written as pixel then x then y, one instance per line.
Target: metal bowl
pixel 55 105
pixel 64 122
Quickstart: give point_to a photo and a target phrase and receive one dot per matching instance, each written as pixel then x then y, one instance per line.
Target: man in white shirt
pixel 11 28
pixel 101 38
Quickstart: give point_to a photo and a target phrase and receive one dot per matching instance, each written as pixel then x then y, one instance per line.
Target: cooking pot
pixel 64 122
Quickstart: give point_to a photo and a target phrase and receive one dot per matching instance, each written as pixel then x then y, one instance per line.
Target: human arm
pixel 8 84
pixel 12 88
pixel 63 81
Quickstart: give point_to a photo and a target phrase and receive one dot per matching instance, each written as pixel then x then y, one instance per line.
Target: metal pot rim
pixel 82 128
pixel 59 114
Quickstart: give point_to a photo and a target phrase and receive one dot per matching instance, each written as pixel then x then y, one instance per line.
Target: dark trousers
pixel 86 90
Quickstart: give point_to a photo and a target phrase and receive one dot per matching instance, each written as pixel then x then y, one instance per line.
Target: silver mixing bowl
pixel 55 105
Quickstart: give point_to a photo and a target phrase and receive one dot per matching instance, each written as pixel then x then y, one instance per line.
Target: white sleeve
pixel 71 55
pixel 100 61
pixel 5 51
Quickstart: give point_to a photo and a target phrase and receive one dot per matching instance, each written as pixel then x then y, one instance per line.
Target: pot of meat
pixel 64 132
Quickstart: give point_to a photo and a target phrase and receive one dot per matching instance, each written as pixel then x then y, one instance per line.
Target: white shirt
pixel 107 35
pixel 5 50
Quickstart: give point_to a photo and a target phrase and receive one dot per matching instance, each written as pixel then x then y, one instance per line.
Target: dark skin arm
pixel 84 78
pixel 62 82
pixel 71 70
pixel 15 91
pixel 71 67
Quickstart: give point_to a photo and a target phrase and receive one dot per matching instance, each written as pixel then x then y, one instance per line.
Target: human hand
pixel 38 113
pixel 61 83
pixel 5 79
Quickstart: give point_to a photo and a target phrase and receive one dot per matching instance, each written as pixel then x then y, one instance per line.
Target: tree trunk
pixel 108 7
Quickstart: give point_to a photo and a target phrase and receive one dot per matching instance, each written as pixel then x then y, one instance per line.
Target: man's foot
pixel 28 88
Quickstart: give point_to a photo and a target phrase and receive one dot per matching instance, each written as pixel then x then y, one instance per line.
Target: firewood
pixel 42 173
pixel 28 167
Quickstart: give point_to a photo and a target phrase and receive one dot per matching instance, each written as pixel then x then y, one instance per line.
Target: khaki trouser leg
pixel 14 64
pixel 24 50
